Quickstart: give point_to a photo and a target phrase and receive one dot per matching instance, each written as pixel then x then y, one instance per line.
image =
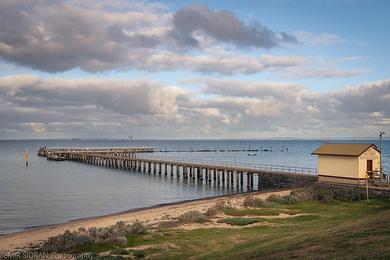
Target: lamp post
pixel 381 133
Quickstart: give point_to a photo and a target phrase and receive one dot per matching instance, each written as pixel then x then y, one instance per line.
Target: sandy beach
pixel 24 240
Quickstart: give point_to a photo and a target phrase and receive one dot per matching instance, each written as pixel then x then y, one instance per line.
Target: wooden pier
pixel 226 174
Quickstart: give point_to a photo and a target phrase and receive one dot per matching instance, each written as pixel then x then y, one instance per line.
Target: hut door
pixel 369 166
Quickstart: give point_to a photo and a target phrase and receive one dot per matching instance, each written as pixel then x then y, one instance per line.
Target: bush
pixel 324 195
pixel 119 251
pixel 290 199
pixel 253 202
pixel 341 194
pixel 138 253
pixel 211 212
pixel 193 217
pixel 70 241
pixel 303 194
pixel 275 198
pixel 137 228
pixel 296 196
pixel 119 240
pixel 66 242
pixel 219 206
pixel 345 194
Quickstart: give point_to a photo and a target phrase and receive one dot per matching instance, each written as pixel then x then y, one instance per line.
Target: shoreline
pixel 32 236
pixel 30 228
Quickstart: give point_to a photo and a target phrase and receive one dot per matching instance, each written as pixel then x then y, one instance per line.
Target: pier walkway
pixel 221 173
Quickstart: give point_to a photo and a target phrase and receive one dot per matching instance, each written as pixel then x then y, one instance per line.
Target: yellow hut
pixel 347 163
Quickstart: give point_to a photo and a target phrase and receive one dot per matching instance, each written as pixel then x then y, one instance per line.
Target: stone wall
pixel 283 180
pixel 373 192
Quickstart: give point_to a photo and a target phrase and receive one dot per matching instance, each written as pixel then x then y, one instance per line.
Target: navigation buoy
pixel 26 156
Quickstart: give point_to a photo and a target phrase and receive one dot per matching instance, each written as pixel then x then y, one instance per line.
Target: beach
pixel 24 240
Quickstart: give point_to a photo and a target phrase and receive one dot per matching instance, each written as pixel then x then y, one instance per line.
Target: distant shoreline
pixel 204 139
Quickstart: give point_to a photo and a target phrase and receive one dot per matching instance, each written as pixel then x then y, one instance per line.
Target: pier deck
pixel 230 174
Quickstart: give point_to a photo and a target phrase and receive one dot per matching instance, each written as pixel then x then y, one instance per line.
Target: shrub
pixel 193 217
pixel 211 212
pixel 341 194
pixel 303 194
pixel 119 251
pixel 290 199
pixel 116 234
pixel 137 228
pixel 119 240
pixel 294 197
pixel 138 253
pixel 253 202
pixel 324 195
pixel 66 242
pixel 219 206
pixel 275 198
pixel 345 194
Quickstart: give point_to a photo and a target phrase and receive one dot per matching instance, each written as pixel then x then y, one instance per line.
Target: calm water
pixel 49 192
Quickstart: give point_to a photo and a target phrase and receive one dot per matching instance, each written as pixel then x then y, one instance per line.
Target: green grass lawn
pixel 344 230
pixel 259 211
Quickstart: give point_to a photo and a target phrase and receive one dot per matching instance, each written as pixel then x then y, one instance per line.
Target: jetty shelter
pixel 347 163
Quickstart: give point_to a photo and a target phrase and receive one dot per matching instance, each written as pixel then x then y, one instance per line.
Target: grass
pixel 334 230
pixel 239 221
pixel 337 230
pixel 258 212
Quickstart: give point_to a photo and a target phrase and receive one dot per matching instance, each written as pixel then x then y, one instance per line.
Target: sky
pixel 194 69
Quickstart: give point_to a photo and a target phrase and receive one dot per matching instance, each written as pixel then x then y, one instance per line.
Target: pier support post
pixel 208 174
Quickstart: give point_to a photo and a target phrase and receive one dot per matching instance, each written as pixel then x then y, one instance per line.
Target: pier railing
pixel 92 149
pixel 236 164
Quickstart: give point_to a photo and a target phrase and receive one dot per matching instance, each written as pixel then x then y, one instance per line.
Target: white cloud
pixel 324 39
pixel 108 35
pixel 34 106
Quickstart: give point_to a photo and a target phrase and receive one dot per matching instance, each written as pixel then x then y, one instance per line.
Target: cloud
pixel 324 39
pixel 61 35
pixel 241 88
pixel 308 72
pixel 222 62
pixel 57 36
pixel 55 107
pixel 119 96
pixel 225 27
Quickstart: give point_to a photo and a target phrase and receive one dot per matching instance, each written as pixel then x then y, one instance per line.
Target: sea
pixel 50 192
